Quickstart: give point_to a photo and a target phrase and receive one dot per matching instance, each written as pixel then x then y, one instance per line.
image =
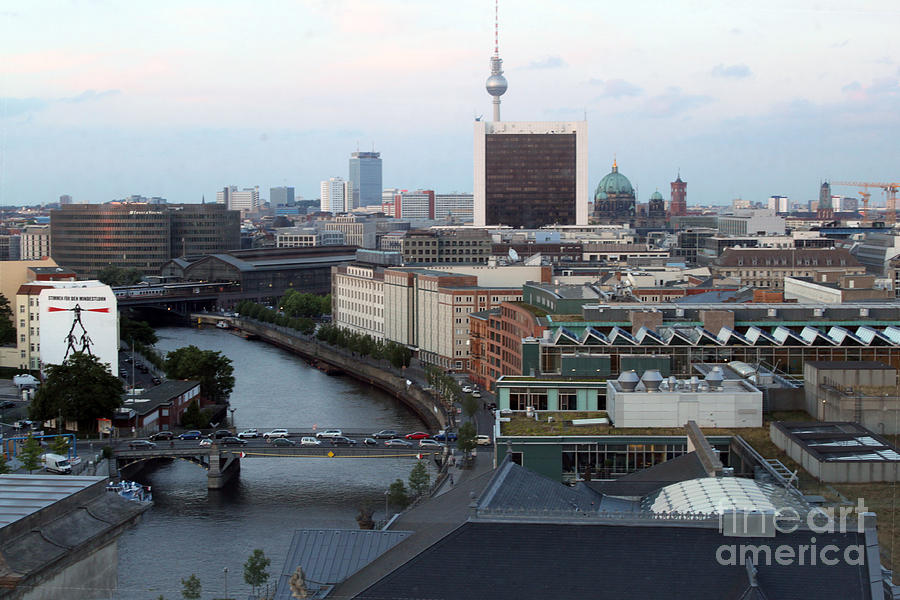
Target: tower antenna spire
pixel 496 84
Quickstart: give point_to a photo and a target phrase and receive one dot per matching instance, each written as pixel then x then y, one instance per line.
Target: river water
pixel 194 530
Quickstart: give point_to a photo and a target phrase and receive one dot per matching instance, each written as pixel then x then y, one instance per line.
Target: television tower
pixel 496 83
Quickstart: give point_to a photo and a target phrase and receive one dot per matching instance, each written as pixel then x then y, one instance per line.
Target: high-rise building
pixel 336 196
pixel 413 205
pixel 531 174
pixel 281 196
pixel 65 199
pixel 825 210
pixel 780 204
pixel 246 200
pixel 678 204
pixel 35 242
pixel 458 206
pixel 365 178
pixel 89 237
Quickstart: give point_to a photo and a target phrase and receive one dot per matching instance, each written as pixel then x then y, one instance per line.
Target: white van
pixel 56 463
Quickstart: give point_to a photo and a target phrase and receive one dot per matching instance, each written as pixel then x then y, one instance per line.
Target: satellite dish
pixel 513 255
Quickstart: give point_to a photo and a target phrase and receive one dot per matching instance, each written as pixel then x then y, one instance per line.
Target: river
pixel 193 530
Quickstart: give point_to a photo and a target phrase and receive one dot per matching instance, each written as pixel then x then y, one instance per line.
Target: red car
pixel 419 435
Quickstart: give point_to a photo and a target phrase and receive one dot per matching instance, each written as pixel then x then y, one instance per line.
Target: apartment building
pixel 35 242
pixel 767 267
pixel 446 246
pixel 357 299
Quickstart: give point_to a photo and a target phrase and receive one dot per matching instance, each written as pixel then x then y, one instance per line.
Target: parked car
pixel 329 433
pixel 190 435
pixel 476 394
pixel 386 434
pixel 467 389
pixel 309 441
pixel 233 441
pixel 398 442
pixel 430 443
pixel 141 445
pixel 7 404
pixel 283 442
pixel 370 442
pixel 418 435
pixel 443 436
pixel 483 440
pixel 156 381
pixel 340 440
pixel 248 433
pixel 276 433
pixel 206 442
pixel 162 435
pixel 222 433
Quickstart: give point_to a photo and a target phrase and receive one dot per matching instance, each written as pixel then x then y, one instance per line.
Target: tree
pixel 30 455
pixel 255 574
pixel 419 479
pixel 470 406
pixel 60 445
pixel 80 389
pixel 466 440
pixel 213 369
pixel 397 494
pixel 194 417
pixel 190 588
pixel 7 324
pixel 113 275
pixel 138 331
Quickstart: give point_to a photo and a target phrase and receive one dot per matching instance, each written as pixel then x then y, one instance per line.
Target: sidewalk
pixel 483 462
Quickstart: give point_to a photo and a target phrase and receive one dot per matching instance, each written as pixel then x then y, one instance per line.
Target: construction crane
pixel 890 190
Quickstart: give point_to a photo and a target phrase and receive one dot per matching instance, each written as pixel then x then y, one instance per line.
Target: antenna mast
pixel 496 84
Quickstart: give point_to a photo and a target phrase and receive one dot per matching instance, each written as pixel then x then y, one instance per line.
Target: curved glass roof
pixel 714 495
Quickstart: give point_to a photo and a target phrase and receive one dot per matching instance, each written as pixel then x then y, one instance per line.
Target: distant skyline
pixel 178 100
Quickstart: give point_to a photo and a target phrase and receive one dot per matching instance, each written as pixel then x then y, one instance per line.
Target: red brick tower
pixel 678 206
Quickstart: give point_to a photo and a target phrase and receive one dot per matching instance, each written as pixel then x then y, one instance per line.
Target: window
pixel 568 400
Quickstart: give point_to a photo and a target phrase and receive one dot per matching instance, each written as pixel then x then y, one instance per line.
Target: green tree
pixel 255 573
pixel 7 324
pixel 466 441
pixel 194 417
pixel 397 494
pixel 469 406
pixel 139 331
pixel 213 369
pixel 80 389
pixel 419 479
pixel 113 275
pixel 190 588
pixel 30 455
pixel 60 445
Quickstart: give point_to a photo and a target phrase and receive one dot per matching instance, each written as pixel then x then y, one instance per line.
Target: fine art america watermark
pixel 819 521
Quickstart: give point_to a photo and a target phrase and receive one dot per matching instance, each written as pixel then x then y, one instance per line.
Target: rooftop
pixel 840 441
pixel 23 495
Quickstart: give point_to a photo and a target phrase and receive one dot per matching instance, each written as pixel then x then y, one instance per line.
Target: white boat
pixel 131 490
pixel 223 325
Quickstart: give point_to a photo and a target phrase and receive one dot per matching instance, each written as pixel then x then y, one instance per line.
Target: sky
pixel 101 99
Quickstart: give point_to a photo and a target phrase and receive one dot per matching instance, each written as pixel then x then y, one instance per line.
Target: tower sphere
pixel 496 85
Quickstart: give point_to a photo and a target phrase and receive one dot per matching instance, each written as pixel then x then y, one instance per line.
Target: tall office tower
pixel 531 174
pixel 65 199
pixel 336 196
pixel 780 204
pixel 281 196
pixel 826 208
pixel 365 177
pixel 88 237
pixel 678 203
pixel 245 200
pixel 223 196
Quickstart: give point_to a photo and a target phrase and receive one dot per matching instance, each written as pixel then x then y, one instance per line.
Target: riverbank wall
pixel 417 399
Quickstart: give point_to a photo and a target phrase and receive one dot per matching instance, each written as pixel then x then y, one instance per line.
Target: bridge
pixel 223 463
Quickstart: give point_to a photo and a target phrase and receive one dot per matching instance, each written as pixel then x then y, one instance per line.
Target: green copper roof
pixel 614 183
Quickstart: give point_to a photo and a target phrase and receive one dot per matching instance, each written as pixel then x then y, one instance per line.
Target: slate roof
pixel 516 488
pixel 328 556
pixel 521 561
pixel 647 481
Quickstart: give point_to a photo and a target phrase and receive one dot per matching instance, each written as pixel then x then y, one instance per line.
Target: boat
pixel 131 490
pixel 223 325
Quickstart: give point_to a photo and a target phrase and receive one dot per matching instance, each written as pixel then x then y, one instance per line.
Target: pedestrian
pixel 451 478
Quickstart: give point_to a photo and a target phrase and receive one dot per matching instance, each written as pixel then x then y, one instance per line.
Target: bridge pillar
pixel 222 469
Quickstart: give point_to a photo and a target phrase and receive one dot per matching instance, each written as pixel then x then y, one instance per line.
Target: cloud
pixel 840 44
pixel 736 31
pixel 12 107
pixel 732 71
pixel 550 62
pixel 616 88
pixel 673 102
pixel 852 87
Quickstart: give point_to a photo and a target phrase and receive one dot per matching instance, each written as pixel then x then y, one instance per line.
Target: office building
pixel 442 246
pixel 530 174
pixel 412 205
pixel 246 200
pixel 304 237
pixel 336 196
pixel 35 242
pixel 88 237
pixel 767 267
pixel 455 206
pixel 780 204
pixel 281 196
pixel 751 222
pixel 65 199
pixel 365 178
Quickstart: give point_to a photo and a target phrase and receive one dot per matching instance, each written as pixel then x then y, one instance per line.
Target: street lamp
pixel 231 410
pixel 225 570
pixel 386 505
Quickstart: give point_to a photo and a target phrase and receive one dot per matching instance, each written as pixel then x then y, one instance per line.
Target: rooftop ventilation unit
pixel 773 312
pixel 715 378
pixel 651 380
pixel 693 383
pixel 628 380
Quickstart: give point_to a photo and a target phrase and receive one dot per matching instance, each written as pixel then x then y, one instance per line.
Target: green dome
pixel 656 195
pixel 614 183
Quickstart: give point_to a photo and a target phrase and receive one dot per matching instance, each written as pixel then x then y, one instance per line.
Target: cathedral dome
pixel 614 183
pixel 656 195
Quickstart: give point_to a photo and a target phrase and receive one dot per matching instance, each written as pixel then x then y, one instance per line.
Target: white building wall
pixel 358 301
pixel 461 206
pixel 727 408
